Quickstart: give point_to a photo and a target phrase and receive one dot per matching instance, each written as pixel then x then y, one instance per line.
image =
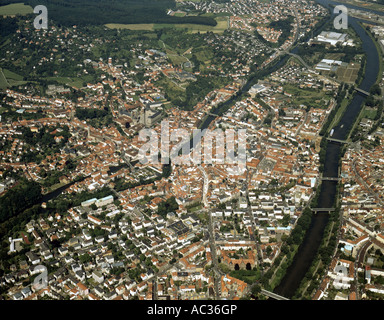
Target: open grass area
pixel 339 114
pixel 137 26
pixel 308 97
pixel 12 76
pixel 14 9
pixel 364 4
pixel 368 113
pixel 180 14
pixel 3 80
pixel 9 79
pixel 173 90
pixel 194 209
pixel 248 276
pixel 204 55
pixel 216 14
pixel 177 59
pixel 72 82
pixel 221 26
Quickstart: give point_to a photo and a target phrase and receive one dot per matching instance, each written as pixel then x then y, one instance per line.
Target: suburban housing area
pixel 79 207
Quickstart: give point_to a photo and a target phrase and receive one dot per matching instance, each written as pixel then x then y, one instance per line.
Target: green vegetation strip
pixel 14 9
pixel 221 26
pixel 379 52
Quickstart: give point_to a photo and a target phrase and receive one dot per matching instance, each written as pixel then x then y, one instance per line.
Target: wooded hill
pixel 98 12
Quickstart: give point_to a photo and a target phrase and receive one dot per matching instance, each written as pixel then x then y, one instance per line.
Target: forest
pixel 7 26
pixel 98 118
pixel 98 12
pixel 88 113
pixel 169 205
pixel 18 198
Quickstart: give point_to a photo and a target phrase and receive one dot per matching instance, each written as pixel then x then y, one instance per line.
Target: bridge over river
pixel 273 295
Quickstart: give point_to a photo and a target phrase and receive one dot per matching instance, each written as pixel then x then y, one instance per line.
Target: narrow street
pixel 212 245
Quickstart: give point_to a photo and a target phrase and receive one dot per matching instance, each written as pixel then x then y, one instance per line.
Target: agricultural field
pixel 14 9
pixel 344 73
pixel 9 79
pixel 3 80
pixel 13 79
pixel 72 82
pixel 222 25
pixel 349 73
pixel 135 27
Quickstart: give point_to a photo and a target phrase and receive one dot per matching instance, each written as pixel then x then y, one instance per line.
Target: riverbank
pixel 304 260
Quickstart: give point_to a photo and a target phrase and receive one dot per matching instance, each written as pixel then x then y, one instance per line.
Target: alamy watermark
pixel 208 146
pixel 41 280
pixel 41 21
pixel 341 21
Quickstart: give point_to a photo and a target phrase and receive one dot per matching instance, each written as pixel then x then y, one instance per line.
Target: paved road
pixel 205 186
pixel 359 263
pixel 212 244
pixel 253 223
pixel 357 175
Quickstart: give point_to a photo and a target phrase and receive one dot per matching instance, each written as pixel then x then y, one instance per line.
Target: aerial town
pixel 107 226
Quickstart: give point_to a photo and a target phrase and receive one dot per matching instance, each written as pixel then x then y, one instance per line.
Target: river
pixel 313 237
pixel 312 240
pixel 55 193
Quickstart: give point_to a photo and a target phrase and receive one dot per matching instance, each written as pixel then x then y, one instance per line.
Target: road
pixel 154 282
pixel 205 186
pixel 253 223
pixel 301 124
pixel 374 194
pixel 216 270
pixel 359 260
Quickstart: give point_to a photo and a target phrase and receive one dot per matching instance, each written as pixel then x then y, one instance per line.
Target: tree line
pixel 18 198
pixel 99 12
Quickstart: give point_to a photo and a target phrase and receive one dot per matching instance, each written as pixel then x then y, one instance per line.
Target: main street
pixel 253 226
pixel 212 244
pixel 205 186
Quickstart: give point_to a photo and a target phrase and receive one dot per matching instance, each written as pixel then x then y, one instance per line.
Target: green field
pixel 175 58
pixel 72 82
pixel 9 79
pixel 221 26
pixel 180 14
pixel 348 74
pixel 138 26
pixel 3 80
pixel 339 113
pixel 12 76
pixel 365 4
pixel 368 113
pixel 14 9
pixel 309 97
